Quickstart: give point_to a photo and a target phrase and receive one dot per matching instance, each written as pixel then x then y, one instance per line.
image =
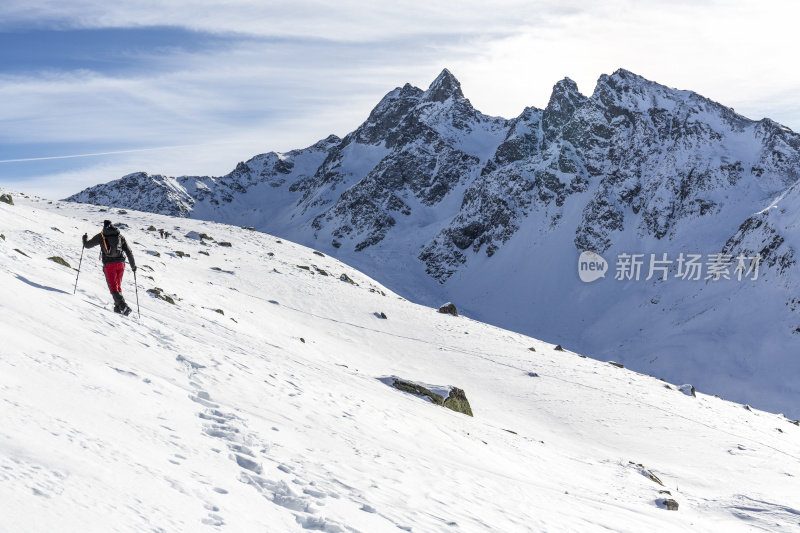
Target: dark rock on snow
pixel 670 504
pixel 59 260
pixel 456 400
pixel 449 309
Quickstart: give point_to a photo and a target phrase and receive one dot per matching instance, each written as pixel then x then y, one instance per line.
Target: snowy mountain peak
pixel 625 74
pixel 327 142
pixel 442 202
pixel 135 175
pixel 564 100
pixel 565 87
pixel 624 85
pixel 622 79
pixel 409 90
pixel 443 87
pixel 388 114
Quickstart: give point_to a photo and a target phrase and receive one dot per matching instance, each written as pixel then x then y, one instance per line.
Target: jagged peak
pixel 565 92
pixel 327 141
pixel 140 174
pixel 631 90
pixel 622 78
pixel 566 85
pixel 443 87
pixel 627 74
pixel 406 92
pixel 768 122
pixel 627 89
pixel 564 101
pixel 528 113
pixel 387 114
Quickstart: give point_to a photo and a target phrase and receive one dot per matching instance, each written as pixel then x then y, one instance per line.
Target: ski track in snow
pixel 275 415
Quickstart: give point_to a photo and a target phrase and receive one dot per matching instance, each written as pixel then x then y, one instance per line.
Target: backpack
pixel 112 245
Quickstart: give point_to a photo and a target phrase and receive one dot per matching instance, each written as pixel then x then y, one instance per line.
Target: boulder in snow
pixel 449 309
pixel 418 390
pixel 669 504
pixel 59 260
pixel 646 472
pixel 347 279
pixel 158 292
pixel 688 390
pixel 457 401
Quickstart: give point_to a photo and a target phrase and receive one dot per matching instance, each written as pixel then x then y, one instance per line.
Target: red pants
pixel 114 273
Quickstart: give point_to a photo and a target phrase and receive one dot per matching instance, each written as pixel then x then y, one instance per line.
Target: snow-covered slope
pixel 259 402
pixel 440 202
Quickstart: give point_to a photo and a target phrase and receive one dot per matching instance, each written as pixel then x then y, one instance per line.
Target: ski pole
pixel 136 286
pixel 79 271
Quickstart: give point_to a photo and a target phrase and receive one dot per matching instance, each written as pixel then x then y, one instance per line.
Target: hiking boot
pixel 119 304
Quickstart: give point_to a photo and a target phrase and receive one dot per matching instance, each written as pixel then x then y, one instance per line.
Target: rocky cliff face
pixel 649 156
pixel 422 139
pixel 641 155
pixel 442 202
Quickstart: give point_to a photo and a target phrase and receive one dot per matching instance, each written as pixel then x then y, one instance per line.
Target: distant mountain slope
pixel 439 201
pixel 261 400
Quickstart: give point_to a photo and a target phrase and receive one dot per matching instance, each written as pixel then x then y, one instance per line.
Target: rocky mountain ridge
pixel 438 200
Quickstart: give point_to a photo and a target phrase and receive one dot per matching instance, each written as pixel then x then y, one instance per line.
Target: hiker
pixel 113 245
pixel 161 231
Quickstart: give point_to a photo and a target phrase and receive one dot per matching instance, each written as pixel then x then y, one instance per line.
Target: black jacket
pixel 106 240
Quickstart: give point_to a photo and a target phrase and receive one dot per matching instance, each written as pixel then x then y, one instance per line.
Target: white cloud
pixel 734 52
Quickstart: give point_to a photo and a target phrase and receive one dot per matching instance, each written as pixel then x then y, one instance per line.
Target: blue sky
pixel 93 90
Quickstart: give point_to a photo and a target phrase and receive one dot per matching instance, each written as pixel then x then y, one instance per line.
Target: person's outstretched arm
pixel 91 243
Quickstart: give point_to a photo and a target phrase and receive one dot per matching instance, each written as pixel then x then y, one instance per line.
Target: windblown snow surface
pixel 274 413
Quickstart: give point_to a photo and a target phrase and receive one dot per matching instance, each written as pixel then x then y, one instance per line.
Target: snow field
pixel 274 417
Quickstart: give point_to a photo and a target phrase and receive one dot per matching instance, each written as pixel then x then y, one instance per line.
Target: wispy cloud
pixel 97 154
pixel 345 20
